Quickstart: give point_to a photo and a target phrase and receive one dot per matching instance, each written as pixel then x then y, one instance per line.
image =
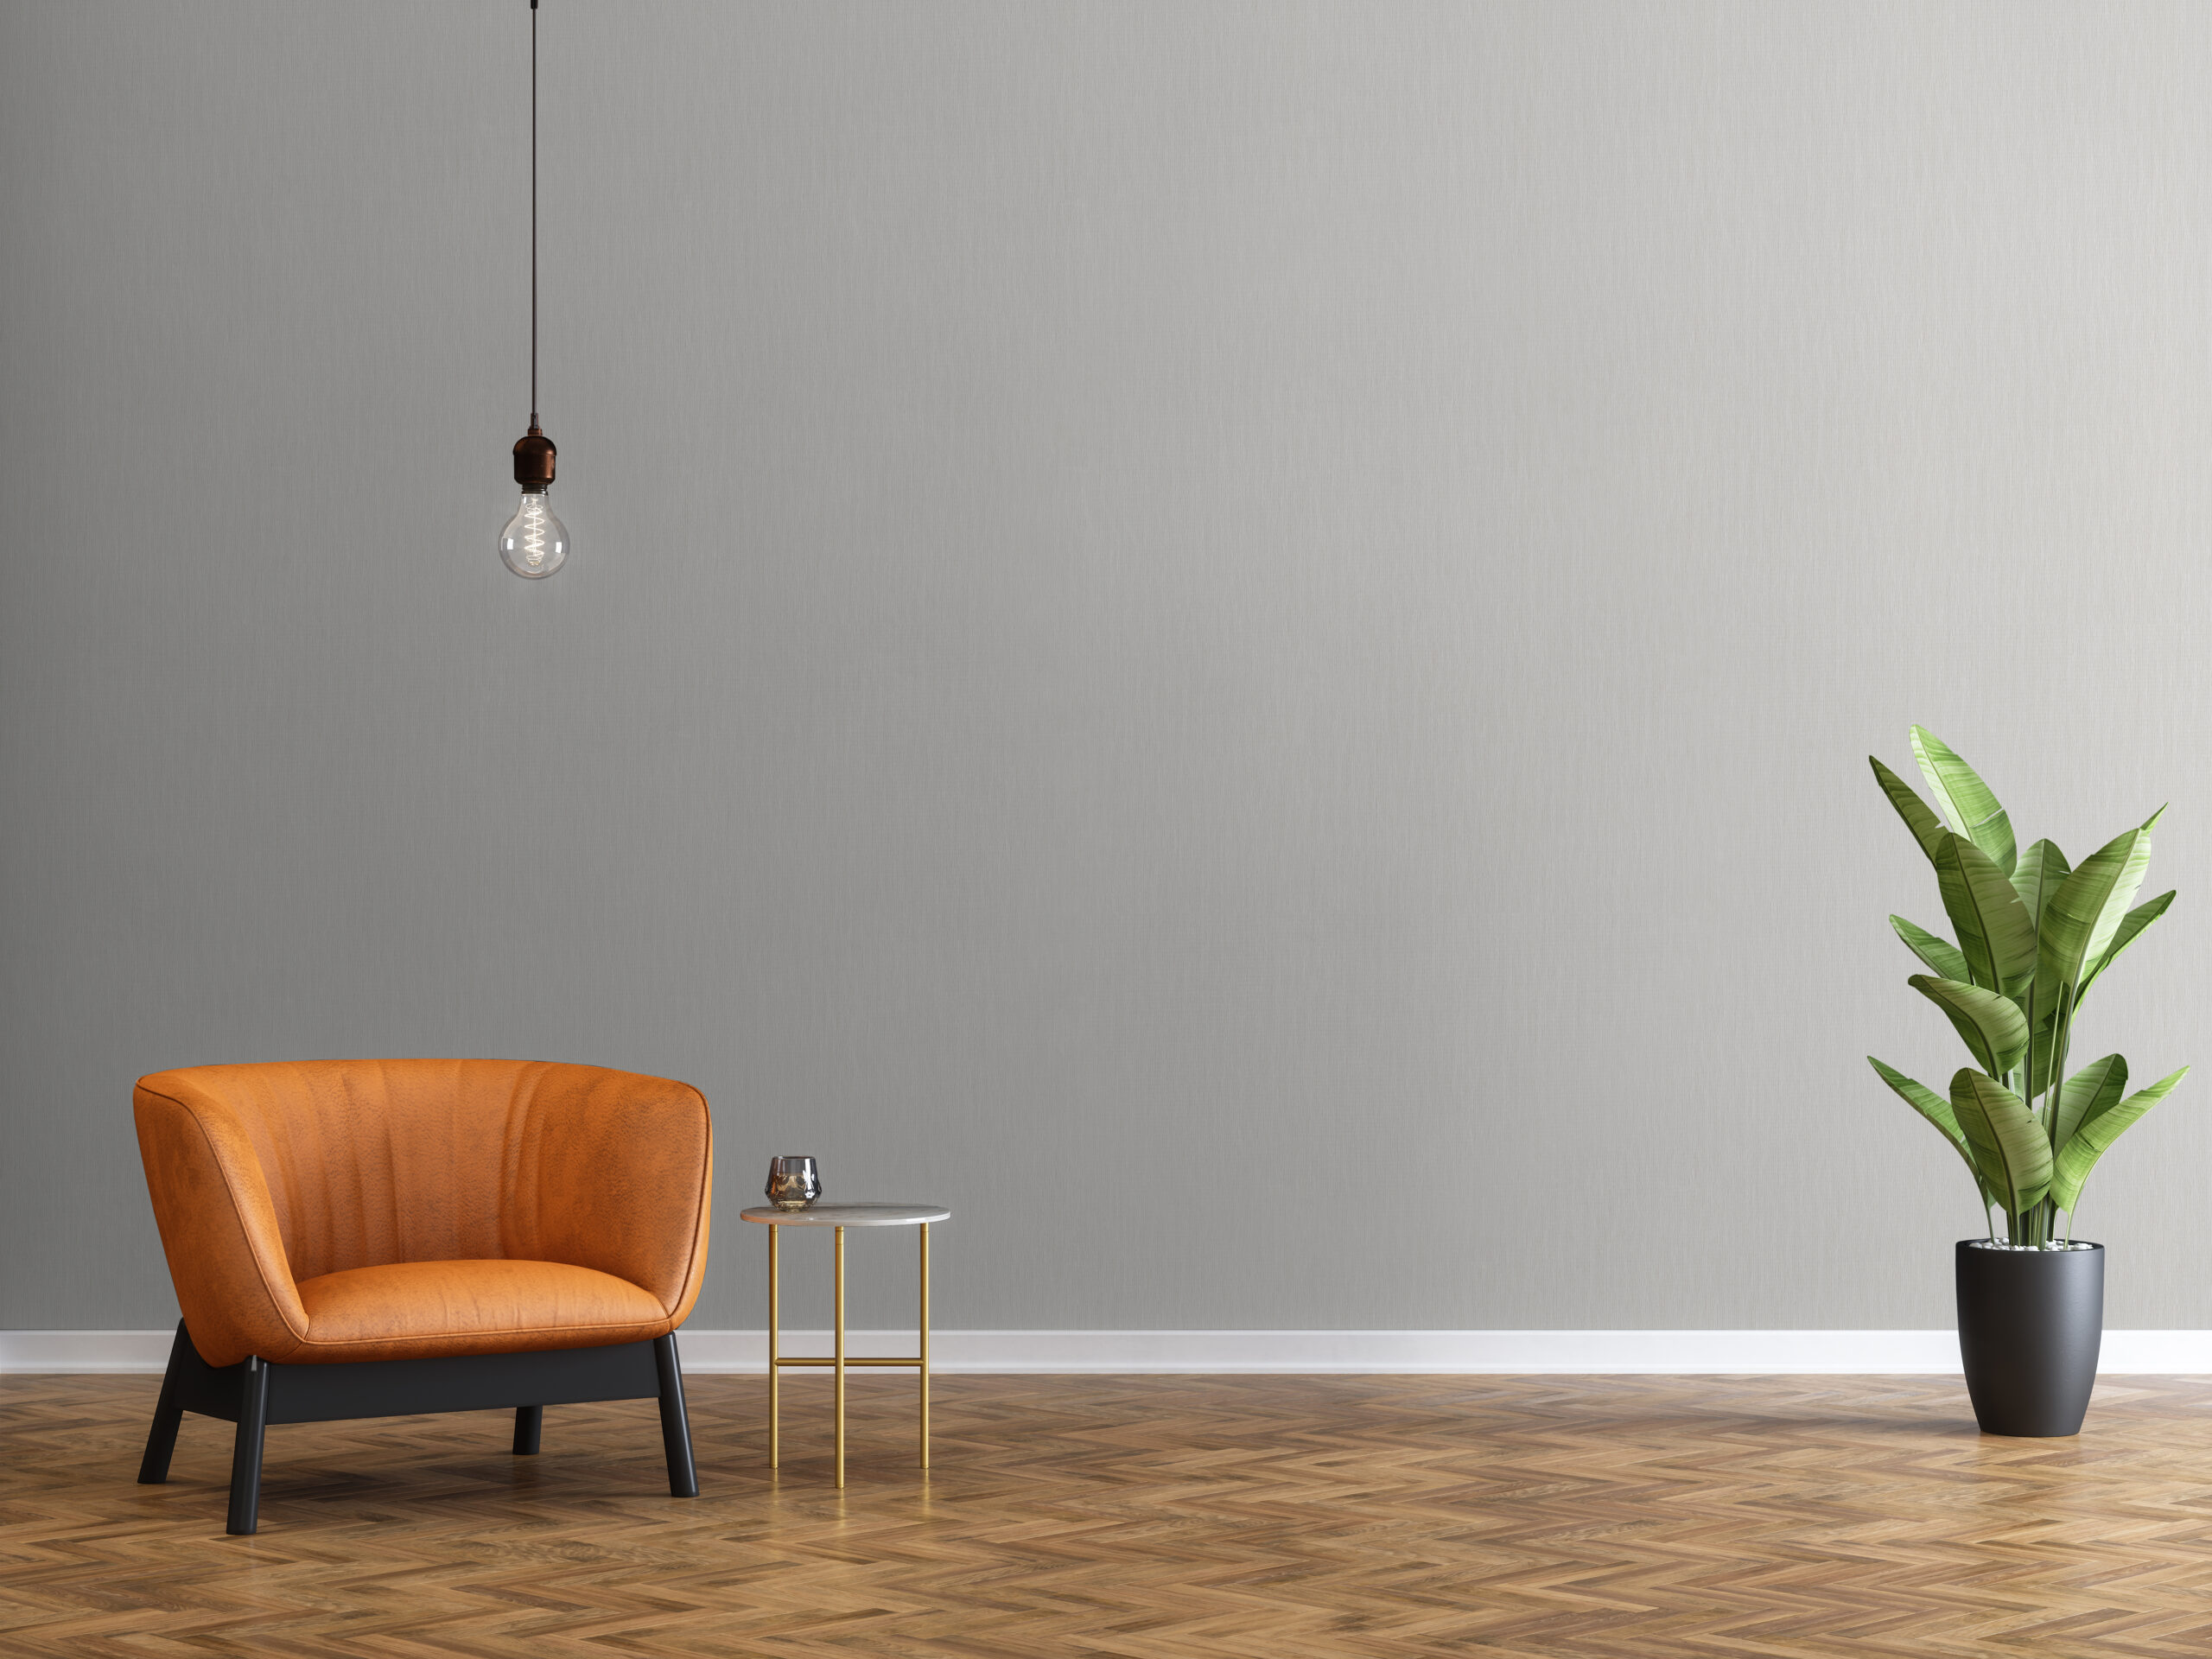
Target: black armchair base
pixel 254 1394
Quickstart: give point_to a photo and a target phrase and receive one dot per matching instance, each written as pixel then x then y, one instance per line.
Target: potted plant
pixel 2034 935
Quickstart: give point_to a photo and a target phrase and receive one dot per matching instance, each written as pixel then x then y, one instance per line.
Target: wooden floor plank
pixel 1137 1519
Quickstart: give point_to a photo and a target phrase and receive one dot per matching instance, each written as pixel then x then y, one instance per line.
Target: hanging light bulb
pixel 534 543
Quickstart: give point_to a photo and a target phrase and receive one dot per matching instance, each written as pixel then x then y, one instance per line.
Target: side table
pixel 842 1215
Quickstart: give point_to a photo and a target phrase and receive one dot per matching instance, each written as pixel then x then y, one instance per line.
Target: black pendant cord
pixel 533 215
pixel 534 452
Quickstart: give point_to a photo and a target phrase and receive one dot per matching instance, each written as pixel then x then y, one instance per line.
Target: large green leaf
pixel 1938 953
pixel 2036 876
pixel 2130 930
pixel 1964 799
pixel 2080 921
pixel 2041 872
pixel 2089 1092
pixel 2009 1146
pixel 1995 934
pixel 1937 1111
pixel 1927 829
pixel 2080 1155
pixel 1995 1029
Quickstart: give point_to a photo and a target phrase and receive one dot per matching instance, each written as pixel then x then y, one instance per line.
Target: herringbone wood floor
pixel 1276 1517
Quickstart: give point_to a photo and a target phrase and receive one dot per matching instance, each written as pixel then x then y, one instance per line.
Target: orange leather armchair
pixel 367 1238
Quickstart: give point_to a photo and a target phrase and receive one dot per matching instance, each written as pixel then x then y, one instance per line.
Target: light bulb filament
pixel 533 529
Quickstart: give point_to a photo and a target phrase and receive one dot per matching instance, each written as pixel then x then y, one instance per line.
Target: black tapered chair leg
pixel 675 1426
pixel 529 1423
pixel 169 1412
pixel 245 1452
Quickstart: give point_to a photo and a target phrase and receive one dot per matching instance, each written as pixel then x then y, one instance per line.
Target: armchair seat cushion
pixel 409 1310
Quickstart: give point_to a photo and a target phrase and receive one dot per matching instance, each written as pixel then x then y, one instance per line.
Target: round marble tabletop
pixel 818 1214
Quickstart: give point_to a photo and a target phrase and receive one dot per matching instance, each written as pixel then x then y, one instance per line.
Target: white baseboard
pixel 1469 1353
pixel 90 1352
pixel 1347 1351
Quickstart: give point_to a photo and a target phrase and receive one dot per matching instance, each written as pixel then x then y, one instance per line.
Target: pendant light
pixel 535 543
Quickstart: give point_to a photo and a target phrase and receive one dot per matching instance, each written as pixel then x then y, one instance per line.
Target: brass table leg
pixel 841 1357
pixel 925 1344
pixel 775 1371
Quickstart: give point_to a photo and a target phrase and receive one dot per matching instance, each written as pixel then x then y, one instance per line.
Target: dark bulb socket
pixel 534 461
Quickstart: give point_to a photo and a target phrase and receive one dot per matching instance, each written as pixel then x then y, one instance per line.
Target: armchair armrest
pixel 219 1227
pixel 615 1172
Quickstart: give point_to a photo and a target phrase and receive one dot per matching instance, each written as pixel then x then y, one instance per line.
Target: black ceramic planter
pixel 2029 1324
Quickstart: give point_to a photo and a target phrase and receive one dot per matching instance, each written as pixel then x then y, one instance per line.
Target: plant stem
pixel 2035 977
pixel 2062 1044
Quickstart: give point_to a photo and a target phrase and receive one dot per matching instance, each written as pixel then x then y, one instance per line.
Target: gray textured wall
pixel 1238 638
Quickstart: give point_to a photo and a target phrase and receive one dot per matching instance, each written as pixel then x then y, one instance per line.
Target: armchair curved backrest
pixel 266 1176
